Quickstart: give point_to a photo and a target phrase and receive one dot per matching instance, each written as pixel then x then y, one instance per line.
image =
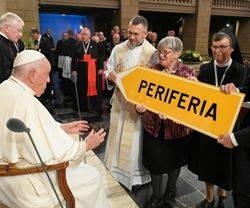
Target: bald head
pixel 86 34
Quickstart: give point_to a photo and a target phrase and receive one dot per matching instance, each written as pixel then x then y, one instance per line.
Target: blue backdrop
pixel 61 23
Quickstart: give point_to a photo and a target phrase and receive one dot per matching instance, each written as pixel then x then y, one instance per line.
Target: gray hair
pixel 221 35
pixel 173 43
pixel 10 19
pixel 139 20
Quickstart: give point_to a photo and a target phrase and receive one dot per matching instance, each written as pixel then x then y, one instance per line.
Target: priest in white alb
pixel 124 145
pixel 29 78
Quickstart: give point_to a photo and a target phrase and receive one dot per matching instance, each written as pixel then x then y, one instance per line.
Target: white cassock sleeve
pixel 53 143
pixel 110 67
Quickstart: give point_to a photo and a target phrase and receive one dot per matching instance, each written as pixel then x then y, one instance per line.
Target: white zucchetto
pixel 26 57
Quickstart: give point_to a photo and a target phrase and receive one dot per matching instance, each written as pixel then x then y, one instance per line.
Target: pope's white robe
pixel 124 146
pixel 54 145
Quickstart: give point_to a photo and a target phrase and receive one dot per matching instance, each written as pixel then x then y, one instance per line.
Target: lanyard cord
pixel 86 48
pixel 223 76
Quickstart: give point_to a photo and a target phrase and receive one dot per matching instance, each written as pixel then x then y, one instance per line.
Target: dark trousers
pixel 156 181
pixel 241 189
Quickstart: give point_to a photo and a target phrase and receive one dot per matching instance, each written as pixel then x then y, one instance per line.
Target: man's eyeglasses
pixel 17 30
pixel 163 52
pixel 221 47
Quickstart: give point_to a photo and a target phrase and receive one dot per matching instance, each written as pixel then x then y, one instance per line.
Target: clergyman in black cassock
pixel 7 56
pixel 92 103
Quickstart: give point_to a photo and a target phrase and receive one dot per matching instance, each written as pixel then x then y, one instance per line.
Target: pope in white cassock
pixel 29 78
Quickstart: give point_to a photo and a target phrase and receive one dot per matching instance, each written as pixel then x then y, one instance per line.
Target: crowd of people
pixel 142 146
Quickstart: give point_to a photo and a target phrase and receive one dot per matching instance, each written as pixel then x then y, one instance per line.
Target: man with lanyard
pixel 209 160
pixel 123 151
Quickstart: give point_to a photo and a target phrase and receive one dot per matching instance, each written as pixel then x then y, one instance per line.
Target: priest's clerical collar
pixel 134 45
pixel 223 64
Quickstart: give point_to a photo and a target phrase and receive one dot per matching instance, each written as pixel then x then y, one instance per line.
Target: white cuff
pixel 233 140
pixel 111 85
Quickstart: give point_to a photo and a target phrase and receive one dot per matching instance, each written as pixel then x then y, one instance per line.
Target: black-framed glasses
pixel 20 31
pixel 221 47
pixel 163 52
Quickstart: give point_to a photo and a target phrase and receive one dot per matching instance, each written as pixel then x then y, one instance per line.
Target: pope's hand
pixel 94 139
pixel 75 127
pixel 112 76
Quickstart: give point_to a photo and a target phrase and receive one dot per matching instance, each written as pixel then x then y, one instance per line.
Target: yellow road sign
pixel 196 105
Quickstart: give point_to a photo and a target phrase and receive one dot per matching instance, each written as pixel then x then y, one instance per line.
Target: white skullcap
pixel 26 57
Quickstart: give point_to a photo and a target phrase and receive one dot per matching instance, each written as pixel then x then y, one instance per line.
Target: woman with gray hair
pixel 164 141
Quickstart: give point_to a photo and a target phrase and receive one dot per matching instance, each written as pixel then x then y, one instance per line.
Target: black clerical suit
pixel 45 47
pixel 88 103
pixel 50 38
pixel 241 188
pixel 18 47
pixel 7 56
pixel 209 160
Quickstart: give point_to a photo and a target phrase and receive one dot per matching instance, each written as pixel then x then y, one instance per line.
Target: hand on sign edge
pixel 192 78
pixel 228 88
pixel 162 116
pixel 226 141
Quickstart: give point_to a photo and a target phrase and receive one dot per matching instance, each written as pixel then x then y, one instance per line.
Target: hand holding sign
pixel 196 105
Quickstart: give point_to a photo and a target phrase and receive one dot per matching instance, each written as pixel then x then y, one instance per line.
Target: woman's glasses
pixel 163 52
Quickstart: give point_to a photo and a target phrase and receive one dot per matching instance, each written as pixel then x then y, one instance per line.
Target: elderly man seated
pixel 29 78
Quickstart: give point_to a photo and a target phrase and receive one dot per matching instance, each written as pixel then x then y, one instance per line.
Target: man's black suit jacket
pixel 45 47
pixel 236 74
pixel 7 56
pixel 68 47
pixel 242 136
